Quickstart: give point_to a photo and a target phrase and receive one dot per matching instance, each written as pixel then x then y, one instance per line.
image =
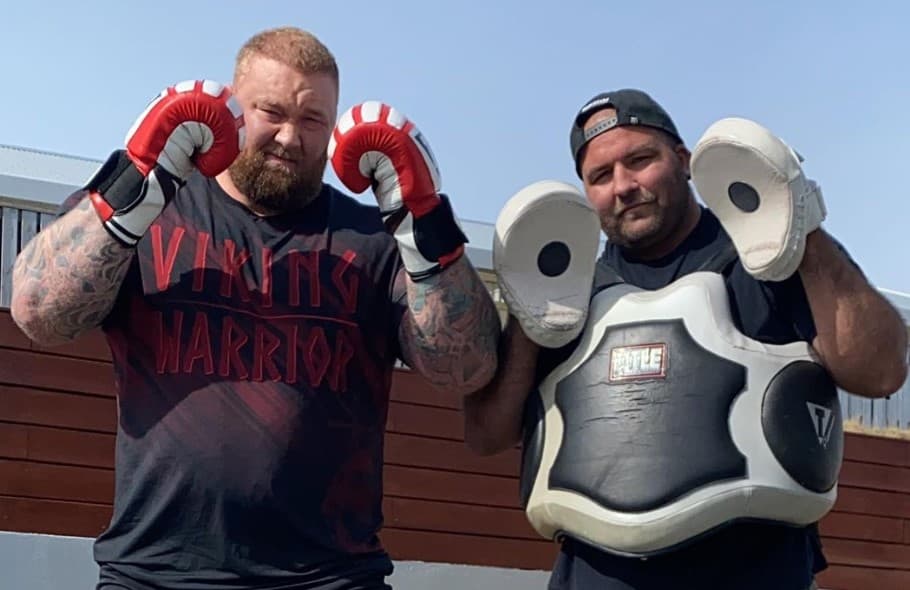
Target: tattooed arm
pixel 451 331
pixel 66 279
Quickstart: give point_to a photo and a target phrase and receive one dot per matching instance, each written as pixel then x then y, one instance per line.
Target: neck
pixel 677 235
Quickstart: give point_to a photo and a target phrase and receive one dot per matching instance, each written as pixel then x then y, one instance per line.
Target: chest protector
pixel 667 423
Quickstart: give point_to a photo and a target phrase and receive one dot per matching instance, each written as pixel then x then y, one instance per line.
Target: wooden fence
pixel 442 504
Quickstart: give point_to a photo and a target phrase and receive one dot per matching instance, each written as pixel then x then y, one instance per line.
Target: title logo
pixel 638 362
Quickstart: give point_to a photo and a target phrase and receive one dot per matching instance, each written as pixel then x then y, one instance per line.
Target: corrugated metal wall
pixel 17 227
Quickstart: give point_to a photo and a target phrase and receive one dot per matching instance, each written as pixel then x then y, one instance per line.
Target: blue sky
pixel 493 85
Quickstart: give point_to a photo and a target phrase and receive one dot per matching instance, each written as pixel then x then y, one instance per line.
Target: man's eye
pixel 602 176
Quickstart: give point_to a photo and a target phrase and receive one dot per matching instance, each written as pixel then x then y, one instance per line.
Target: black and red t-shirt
pixel 253 359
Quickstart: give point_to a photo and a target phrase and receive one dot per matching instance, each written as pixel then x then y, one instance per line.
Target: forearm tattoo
pixel 450 335
pixel 68 276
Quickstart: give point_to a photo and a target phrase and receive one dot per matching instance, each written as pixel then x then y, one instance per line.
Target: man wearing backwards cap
pixel 677 396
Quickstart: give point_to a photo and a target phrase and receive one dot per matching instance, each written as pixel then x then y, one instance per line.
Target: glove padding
pixel 375 145
pixel 196 124
pixel 544 252
pixel 755 185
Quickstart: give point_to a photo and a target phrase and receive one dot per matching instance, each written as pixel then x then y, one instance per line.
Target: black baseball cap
pixel 633 107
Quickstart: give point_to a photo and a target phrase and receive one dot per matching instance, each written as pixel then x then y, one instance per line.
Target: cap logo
pixel 597 102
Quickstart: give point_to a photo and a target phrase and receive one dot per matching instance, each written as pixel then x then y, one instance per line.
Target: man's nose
pixel 624 182
pixel 288 136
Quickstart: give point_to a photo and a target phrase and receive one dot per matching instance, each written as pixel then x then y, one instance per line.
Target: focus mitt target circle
pixel 544 252
pixel 755 185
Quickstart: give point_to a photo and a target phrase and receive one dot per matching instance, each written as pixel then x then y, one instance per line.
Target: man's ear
pixel 685 156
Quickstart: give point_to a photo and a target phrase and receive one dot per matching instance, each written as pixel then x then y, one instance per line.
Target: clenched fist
pixel 373 144
pixel 196 124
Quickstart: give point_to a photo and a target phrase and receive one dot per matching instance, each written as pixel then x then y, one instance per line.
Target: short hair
pixel 291 46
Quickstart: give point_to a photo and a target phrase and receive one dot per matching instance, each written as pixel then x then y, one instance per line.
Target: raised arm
pixel 493 414
pixel 861 338
pixel 67 278
pixel 546 247
pixel 450 333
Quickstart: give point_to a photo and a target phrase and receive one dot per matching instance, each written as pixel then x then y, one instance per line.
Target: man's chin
pixel 639 229
pixel 637 237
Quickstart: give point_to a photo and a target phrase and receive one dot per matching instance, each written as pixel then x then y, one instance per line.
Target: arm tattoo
pixel 451 332
pixel 67 277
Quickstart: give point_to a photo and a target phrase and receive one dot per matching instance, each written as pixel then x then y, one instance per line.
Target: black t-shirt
pixel 253 359
pixel 741 556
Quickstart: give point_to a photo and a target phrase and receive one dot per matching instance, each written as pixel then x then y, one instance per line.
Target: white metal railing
pixel 19 222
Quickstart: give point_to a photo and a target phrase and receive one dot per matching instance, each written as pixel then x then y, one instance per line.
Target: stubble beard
pixel 663 221
pixel 273 189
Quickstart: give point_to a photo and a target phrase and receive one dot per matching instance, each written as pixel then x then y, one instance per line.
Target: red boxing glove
pixel 375 145
pixel 192 125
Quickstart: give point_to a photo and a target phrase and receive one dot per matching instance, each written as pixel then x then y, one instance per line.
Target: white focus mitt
pixel 544 252
pixel 755 185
